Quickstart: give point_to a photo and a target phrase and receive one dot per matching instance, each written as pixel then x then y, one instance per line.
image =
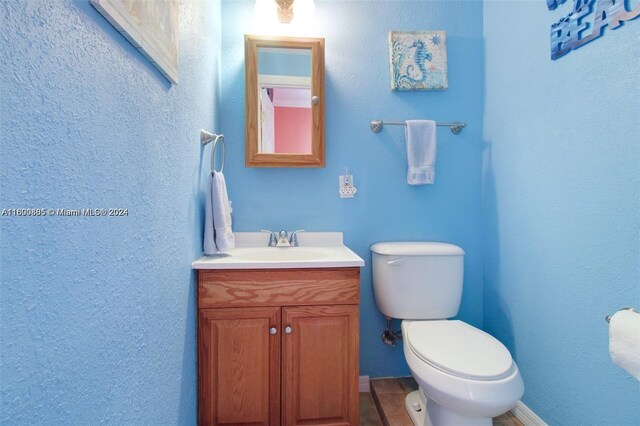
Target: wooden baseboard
pixel 526 416
pixel 363 384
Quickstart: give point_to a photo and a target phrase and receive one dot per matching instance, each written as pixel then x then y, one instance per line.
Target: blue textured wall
pixel 97 314
pixel 562 185
pixel 357 91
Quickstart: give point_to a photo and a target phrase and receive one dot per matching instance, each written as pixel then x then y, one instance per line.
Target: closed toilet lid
pixel 459 349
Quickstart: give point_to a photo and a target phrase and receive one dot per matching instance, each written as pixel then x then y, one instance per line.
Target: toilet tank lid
pixel 416 248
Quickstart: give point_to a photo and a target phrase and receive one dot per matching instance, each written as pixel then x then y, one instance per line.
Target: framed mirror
pixel 284 101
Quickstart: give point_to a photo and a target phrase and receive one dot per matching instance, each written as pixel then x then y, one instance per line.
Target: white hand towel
pixel 421 151
pixel 624 341
pixel 218 236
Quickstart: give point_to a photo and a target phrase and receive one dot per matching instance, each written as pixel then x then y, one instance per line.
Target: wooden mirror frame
pixel 253 158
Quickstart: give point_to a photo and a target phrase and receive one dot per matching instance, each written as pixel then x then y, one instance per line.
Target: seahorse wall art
pixel 418 60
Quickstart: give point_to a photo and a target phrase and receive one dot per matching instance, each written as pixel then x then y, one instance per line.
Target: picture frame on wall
pixel 418 60
pixel 151 26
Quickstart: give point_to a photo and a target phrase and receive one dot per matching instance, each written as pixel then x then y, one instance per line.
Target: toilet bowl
pixel 466 376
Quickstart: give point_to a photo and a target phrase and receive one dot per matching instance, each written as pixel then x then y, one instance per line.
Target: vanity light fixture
pixel 286 12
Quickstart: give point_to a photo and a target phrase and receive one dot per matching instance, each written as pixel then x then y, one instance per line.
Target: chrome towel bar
pixel 377 125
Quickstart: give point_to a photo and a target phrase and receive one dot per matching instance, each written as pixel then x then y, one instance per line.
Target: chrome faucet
pixel 283 239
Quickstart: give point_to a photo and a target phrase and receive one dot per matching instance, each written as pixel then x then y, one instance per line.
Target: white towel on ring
pixel 218 236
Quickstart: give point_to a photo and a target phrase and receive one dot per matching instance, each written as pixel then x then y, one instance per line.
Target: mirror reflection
pixel 284 100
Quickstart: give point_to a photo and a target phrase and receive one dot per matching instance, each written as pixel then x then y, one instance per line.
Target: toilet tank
pixel 417 280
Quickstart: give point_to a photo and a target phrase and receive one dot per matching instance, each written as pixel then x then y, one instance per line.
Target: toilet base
pixel 415 403
pixel 429 413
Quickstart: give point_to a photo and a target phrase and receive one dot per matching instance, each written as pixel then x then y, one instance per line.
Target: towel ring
pixel 219 138
pixel 205 138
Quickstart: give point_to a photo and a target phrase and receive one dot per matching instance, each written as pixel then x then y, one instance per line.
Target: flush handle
pixel 396 262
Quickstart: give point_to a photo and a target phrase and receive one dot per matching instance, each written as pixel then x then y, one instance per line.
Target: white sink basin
pixel 317 250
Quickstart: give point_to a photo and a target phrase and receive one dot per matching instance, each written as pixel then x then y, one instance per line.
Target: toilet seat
pixel 459 349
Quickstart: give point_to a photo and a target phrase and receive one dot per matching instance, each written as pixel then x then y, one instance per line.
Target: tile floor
pixel 384 406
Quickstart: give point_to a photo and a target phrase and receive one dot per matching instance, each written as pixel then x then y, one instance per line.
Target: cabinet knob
pixel 273 330
pixel 315 100
pixel 288 330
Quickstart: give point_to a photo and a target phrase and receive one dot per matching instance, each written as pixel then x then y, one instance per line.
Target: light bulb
pixel 304 12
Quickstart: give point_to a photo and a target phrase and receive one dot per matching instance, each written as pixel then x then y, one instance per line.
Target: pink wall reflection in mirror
pixel 292 130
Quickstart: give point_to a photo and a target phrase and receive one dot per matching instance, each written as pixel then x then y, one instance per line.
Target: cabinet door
pixel 239 366
pixel 320 365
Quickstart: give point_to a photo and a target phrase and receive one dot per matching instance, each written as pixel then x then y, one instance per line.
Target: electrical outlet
pixel 347 192
pixel 346 188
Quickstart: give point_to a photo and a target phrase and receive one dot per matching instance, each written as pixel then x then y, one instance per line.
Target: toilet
pixel 465 375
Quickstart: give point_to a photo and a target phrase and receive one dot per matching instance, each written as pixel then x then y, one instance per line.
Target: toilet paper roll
pixel 624 341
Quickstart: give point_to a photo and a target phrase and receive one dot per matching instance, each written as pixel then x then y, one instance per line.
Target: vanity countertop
pixel 316 250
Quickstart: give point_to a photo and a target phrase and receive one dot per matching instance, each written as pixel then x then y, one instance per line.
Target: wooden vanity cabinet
pixel 238 366
pixel 278 347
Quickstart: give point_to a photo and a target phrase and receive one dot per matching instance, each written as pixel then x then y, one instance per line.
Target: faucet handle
pixel 293 240
pixel 273 240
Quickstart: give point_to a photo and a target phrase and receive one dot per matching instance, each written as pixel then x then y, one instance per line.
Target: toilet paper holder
pixel 608 317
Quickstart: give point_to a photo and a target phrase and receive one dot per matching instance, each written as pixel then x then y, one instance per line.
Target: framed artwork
pixel 151 26
pixel 418 60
